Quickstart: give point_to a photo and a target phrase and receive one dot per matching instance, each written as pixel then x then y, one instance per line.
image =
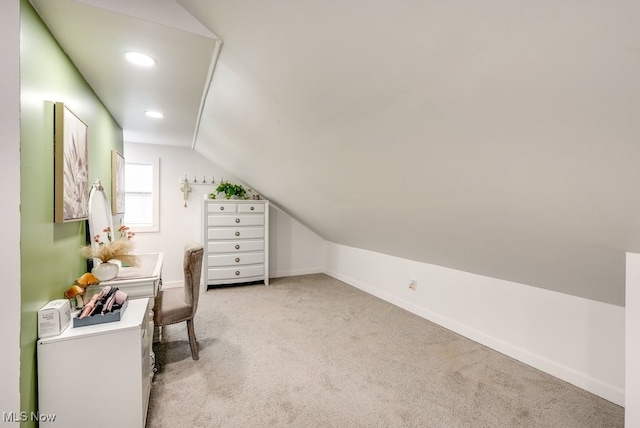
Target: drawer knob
pixel 237 273
pixel 237 220
pixel 221 208
pixel 253 208
pixel 237 233
pixel 237 259
pixel 237 247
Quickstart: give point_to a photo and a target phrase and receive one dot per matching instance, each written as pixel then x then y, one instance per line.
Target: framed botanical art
pixel 71 165
pixel 117 183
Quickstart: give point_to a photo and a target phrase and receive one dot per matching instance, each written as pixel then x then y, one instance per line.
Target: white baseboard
pixel 577 340
pixel 295 272
pixel 172 284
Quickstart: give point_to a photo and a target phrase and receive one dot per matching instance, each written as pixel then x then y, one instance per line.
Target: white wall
pixel 632 379
pixel 578 340
pixel 10 214
pixel 293 248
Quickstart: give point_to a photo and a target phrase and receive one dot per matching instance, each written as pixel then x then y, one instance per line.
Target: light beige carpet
pixel 311 351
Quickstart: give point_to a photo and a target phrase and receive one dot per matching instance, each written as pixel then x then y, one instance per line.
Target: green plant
pixel 232 190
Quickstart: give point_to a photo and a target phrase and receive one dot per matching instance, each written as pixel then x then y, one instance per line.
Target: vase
pixel 106 271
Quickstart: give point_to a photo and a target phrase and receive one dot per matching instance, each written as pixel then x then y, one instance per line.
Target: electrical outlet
pixel 412 284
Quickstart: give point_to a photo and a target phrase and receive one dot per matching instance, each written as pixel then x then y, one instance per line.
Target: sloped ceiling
pixel 97 33
pixel 497 137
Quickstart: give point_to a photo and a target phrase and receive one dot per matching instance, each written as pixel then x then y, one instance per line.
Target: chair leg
pixel 192 340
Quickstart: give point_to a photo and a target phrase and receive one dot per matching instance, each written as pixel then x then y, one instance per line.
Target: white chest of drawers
pixel 236 241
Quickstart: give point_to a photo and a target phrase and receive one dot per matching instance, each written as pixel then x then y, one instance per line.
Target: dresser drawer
pixel 251 208
pixel 235 233
pixel 236 220
pixel 231 273
pixel 239 259
pixel 234 246
pixel 221 207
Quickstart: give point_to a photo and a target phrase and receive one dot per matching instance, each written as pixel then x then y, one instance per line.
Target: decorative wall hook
pixel 196 181
pixel 186 183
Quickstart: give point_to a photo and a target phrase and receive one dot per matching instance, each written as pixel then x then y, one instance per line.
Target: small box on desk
pixel 115 315
pixel 53 318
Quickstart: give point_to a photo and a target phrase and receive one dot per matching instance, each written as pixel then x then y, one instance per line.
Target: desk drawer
pixel 235 259
pixel 235 233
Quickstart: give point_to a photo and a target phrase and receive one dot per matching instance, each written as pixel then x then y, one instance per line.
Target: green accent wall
pixel 50 258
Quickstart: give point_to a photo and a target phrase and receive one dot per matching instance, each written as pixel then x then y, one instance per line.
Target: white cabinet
pixel 236 241
pixel 99 375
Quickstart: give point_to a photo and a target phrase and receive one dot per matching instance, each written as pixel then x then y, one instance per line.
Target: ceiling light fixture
pixel 154 114
pixel 140 59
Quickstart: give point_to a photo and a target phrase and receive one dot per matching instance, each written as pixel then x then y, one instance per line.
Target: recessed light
pixel 140 59
pixel 154 114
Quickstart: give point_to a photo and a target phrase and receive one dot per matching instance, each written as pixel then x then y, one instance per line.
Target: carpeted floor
pixel 311 351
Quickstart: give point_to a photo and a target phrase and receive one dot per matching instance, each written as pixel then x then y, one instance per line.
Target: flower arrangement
pixel 114 249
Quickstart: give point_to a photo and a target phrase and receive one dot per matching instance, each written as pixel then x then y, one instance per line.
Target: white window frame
pixel 155 225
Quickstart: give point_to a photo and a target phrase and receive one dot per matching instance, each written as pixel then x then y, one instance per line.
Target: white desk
pixel 142 280
pixel 98 375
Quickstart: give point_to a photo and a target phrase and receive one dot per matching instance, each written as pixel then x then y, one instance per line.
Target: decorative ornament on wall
pixel 186 189
pixel 185 183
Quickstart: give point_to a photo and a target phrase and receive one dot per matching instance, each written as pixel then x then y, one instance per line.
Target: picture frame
pixel 71 166
pixel 117 183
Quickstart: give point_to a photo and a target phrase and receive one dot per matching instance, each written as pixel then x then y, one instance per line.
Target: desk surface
pixel 149 266
pixel 131 319
pixel 142 280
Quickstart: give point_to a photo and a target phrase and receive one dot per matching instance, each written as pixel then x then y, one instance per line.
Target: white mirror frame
pixel 99 214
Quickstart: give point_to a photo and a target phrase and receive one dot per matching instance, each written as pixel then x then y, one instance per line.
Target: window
pixel 142 195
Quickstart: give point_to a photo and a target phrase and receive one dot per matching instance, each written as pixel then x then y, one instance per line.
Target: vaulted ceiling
pixel 496 137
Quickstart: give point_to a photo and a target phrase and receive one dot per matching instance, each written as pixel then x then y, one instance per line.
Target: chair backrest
pixel 193 253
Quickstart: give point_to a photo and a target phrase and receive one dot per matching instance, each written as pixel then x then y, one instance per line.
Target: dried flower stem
pixel 120 249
